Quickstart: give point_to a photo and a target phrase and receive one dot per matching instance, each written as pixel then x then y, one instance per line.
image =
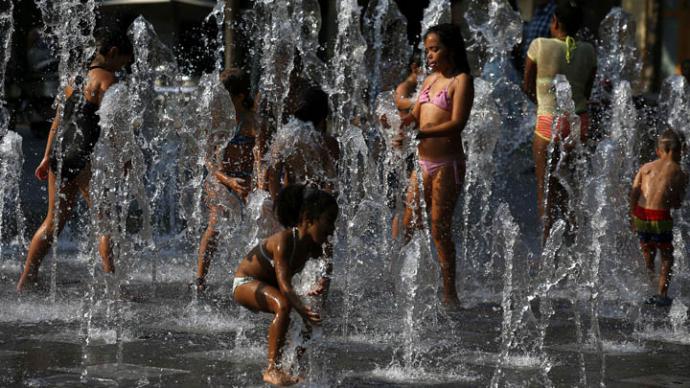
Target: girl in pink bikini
pixel 441 113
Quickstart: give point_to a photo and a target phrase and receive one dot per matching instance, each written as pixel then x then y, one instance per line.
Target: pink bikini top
pixel 441 99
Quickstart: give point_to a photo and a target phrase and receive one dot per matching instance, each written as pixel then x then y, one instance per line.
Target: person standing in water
pixel 263 280
pixel 304 153
pixel 658 187
pixel 234 173
pixel 441 113
pixel 546 58
pixel 70 157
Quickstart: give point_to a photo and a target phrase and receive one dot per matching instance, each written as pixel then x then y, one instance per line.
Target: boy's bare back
pixel 661 184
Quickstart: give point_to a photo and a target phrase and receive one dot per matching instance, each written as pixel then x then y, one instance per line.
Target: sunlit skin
pixel 659 185
pixel 236 157
pixel 272 291
pixel 97 82
pixel 405 90
pixel 557 195
pixel 440 140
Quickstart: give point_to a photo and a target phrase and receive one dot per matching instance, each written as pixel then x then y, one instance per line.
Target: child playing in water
pixel 70 157
pixel 263 280
pixel 302 152
pixel 658 187
pixel 441 112
pixel 234 173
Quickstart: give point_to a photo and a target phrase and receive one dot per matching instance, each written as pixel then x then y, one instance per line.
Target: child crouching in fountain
pixel 263 280
pixel 658 187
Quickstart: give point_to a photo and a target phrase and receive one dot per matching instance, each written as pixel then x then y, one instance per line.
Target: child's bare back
pixel 662 185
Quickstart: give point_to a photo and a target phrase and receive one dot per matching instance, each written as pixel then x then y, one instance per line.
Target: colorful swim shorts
pixel 654 227
pixel 545 124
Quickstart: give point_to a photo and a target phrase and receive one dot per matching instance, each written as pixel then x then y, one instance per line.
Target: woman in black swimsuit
pixel 69 157
pixel 236 169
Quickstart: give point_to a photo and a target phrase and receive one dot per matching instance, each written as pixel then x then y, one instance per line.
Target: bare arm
pixel 274 180
pixel 635 193
pixel 42 170
pixel 414 115
pixel 529 82
pixel 236 184
pixel 402 101
pixel 679 190
pixel 281 256
pixel 462 105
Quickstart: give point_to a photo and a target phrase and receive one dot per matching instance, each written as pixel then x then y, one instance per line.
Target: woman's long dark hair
pixel 451 37
pixel 111 36
pixel 569 15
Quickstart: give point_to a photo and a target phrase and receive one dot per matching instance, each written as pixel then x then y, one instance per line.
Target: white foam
pixel 400 374
pixel 31 311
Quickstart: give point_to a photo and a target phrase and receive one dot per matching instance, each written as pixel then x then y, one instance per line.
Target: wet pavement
pixel 151 330
pixel 157 334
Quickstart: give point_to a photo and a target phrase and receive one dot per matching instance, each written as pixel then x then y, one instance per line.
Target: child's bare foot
pixel 200 284
pixel 451 300
pixel 275 376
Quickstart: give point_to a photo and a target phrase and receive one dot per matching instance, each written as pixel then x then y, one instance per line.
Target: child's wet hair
pixel 451 37
pixel 670 141
pixel 297 202
pixel 569 14
pixel 238 82
pixel 312 106
pixel 109 37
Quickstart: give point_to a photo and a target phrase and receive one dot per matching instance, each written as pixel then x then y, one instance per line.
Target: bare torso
pixel 238 158
pixel 439 148
pixel 662 185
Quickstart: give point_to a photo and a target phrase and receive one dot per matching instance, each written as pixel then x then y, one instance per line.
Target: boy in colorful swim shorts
pixel 658 187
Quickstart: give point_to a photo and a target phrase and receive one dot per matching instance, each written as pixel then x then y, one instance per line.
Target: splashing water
pixel 385 30
pixel 150 179
pixel 617 56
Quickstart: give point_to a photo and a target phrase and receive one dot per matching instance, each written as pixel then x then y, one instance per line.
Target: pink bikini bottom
pixel 431 167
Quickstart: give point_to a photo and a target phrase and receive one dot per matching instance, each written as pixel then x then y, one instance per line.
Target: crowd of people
pixel 304 190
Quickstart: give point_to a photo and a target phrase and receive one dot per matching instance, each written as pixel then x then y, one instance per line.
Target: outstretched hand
pixel 312 316
pixel 321 287
pixel 398 141
pixel 42 169
pixel 407 120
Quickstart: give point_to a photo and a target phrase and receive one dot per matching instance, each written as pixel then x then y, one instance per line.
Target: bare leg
pixel 263 297
pixel 207 248
pixel 649 254
pixel 412 217
pixel 539 153
pixel 43 238
pixel 395 228
pixel 444 196
pixel 104 247
pixel 665 272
